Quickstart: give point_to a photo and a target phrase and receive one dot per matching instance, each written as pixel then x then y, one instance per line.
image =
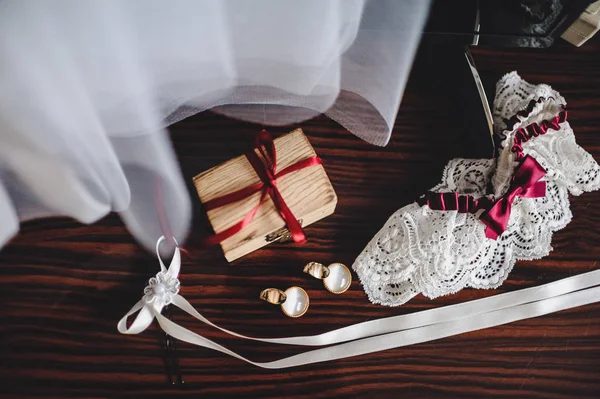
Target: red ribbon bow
pixel 525 183
pixel 266 169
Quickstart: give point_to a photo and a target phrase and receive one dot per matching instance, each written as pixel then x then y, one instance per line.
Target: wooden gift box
pixel 307 192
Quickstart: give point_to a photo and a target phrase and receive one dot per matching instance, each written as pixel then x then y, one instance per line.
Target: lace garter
pixel 469 230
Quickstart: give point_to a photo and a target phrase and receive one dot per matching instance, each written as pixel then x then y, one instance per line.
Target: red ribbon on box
pixel 266 169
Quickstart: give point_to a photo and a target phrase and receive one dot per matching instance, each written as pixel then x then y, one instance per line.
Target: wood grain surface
pixel 64 285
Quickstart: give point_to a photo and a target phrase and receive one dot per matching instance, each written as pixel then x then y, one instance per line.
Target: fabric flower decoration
pixel 161 289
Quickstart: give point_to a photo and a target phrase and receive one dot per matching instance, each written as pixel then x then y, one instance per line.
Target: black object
pixel 502 23
pixel 170 356
pixel 454 26
pixel 472 96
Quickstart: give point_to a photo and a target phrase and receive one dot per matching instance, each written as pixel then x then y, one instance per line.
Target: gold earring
pixel 336 277
pixel 294 301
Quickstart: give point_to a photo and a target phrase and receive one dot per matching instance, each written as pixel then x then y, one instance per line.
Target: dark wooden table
pixel 64 285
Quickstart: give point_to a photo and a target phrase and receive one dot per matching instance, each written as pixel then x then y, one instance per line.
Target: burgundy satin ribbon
pixel 266 169
pixel 455 202
pixel 525 134
pixel 524 183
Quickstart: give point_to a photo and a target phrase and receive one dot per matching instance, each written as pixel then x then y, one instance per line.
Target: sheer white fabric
pixel 89 86
pixel 420 250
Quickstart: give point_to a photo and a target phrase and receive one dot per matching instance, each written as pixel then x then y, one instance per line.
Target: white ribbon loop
pixel 141 322
pixel 371 336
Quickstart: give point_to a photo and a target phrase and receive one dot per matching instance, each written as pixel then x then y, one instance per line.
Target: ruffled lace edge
pixel 541 94
pixel 371 289
pixel 524 134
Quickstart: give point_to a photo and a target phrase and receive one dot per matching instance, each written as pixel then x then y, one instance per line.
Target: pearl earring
pixel 336 277
pixel 294 301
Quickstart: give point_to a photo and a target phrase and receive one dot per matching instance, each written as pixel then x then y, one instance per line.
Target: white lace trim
pixel 437 253
pixel 514 94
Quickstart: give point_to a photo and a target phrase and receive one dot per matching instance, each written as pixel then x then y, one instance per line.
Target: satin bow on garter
pixel 524 183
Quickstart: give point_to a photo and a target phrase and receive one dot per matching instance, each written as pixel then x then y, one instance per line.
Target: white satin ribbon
pixel 375 335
